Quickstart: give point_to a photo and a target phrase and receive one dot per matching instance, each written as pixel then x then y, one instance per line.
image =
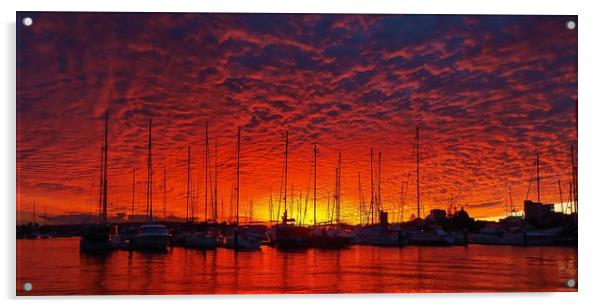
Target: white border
pixel 589 25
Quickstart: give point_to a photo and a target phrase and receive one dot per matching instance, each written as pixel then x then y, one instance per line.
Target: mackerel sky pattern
pixel 488 92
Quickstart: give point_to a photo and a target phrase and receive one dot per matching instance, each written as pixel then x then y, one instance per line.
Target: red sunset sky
pixel 487 91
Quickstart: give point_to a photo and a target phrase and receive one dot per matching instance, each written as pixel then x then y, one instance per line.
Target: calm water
pixel 55 266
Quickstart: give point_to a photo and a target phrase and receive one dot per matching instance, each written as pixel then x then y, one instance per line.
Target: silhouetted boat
pixel 329 238
pixel 287 235
pixel 488 236
pixel 243 238
pixel 205 238
pixel 539 225
pixel 123 238
pixel 152 237
pixel 240 237
pixel 436 237
pixel 97 238
pixel 201 239
pixel 178 237
pixel 379 235
pixel 28 231
pixel 290 236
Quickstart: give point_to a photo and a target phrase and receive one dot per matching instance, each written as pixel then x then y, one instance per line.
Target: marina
pixel 231 153
pixel 539 224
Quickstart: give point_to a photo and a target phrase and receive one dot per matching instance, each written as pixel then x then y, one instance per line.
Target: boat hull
pixel 201 240
pixel 291 243
pixel 328 242
pixel 96 239
pixel 436 238
pixel 291 237
pixel 86 245
pixel 380 236
pixel 243 242
pixel 151 242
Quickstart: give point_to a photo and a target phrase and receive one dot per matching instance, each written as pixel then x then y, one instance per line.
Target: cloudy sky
pixel 488 92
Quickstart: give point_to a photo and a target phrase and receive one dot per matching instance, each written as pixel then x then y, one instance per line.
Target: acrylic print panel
pixel 163 153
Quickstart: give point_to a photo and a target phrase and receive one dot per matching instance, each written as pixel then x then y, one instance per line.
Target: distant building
pixel 536 210
pixel 438 215
pixel 459 220
pixel 542 215
pixel 383 217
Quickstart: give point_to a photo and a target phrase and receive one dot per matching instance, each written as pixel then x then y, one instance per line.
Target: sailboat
pixel 380 233
pixel 182 234
pixel 426 235
pixel 241 237
pixel 151 236
pixel 44 234
pixel 97 238
pixel 203 239
pixel 124 237
pixel 287 235
pixel 329 237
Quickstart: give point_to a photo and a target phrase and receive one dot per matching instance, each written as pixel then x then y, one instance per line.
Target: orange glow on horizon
pixel 486 95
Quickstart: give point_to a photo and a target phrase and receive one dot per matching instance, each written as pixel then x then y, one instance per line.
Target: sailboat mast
pixel 371 187
pixel 164 194
pixel 100 180
pixel 315 181
pixel 417 174
pixel 285 172
pixel 537 164
pixel 194 198
pixel 238 177
pixel 231 208
pixel 339 191
pixel 560 192
pixel 292 201
pixel 188 182
pixel 572 204
pixel 379 201
pixel 133 193
pixel 574 171
pixel 149 173
pixel 328 207
pixel 206 167
pixel 359 196
pixel 270 205
pixel 336 193
pixel 105 158
pixel 215 194
pixel 512 207
pixel 401 202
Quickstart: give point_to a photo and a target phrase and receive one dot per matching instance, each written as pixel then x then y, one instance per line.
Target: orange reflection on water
pixel 55 267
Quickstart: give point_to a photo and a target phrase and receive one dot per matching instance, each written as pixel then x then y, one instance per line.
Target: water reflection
pixel 55 266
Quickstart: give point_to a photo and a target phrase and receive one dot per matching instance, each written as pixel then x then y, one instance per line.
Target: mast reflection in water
pixel 55 267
